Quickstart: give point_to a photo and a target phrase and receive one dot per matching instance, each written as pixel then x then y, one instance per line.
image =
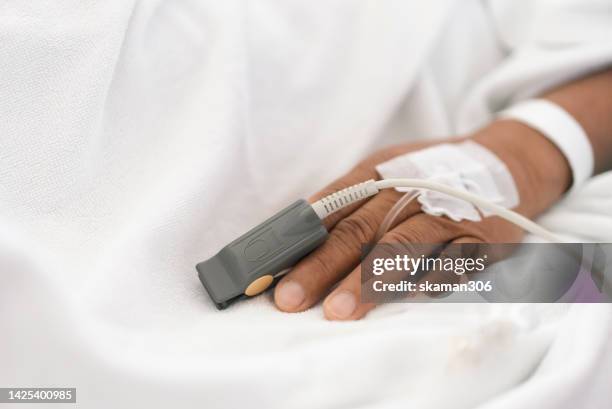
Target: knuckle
pixel 357 229
pixel 324 272
pixel 407 235
pixel 396 236
pixel 315 272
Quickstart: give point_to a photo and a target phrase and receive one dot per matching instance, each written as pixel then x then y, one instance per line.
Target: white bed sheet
pixel 137 138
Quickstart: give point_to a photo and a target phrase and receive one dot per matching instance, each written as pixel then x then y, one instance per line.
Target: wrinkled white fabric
pixel 139 137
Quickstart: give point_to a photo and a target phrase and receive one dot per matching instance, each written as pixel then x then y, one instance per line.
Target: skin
pixel 541 173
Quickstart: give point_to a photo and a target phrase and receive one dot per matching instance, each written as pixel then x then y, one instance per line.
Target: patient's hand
pixel 539 170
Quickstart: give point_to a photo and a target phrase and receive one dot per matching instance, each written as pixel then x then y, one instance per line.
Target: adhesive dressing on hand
pixel 466 166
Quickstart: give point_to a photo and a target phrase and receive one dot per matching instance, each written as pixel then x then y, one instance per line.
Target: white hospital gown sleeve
pixel 547 43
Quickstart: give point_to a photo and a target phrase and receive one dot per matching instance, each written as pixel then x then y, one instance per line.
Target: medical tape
pixel 467 166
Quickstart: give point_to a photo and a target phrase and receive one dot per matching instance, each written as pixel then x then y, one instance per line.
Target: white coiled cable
pixel 345 197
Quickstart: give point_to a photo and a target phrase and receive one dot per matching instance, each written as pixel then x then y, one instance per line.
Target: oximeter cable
pixel 345 197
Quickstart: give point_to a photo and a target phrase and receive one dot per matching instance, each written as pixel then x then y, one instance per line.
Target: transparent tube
pixel 477 201
pixel 392 214
pixel 369 188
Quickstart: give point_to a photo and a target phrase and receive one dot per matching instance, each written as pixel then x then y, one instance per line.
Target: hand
pixel 337 260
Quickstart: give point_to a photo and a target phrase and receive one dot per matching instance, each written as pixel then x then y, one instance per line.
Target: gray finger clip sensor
pixel 250 264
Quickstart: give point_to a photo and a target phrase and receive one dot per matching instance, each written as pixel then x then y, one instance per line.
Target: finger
pixel 312 277
pixel 423 228
pixel 344 302
pixel 462 247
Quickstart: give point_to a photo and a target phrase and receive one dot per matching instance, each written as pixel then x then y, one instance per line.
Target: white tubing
pixel 345 197
pixel 394 213
pixel 502 212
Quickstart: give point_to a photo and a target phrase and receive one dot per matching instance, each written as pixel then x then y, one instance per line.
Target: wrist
pixel 540 170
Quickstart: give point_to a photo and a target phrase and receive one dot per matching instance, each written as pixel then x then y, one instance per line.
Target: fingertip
pixel 344 303
pixel 289 296
pixel 340 305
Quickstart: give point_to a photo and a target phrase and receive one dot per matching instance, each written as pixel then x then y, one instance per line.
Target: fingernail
pixel 342 305
pixel 289 295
